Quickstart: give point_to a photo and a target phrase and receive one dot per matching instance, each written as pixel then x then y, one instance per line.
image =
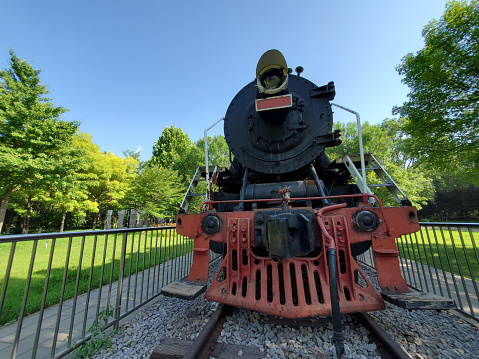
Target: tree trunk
pixel 3 206
pixel 7 224
pixel 96 220
pixel 26 222
pixel 64 215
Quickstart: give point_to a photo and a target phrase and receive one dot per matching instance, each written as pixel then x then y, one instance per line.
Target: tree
pixel 386 141
pixel 35 145
pixel 174 150
pixel 375 141
pixel 443 107
pixel 218 151
pixel 70 195
pixel 133 154
pixel 26 204
pixel 107 177
pixel 156 192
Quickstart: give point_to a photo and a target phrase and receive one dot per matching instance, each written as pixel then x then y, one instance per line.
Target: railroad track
pixel 206 344
pixel 387 346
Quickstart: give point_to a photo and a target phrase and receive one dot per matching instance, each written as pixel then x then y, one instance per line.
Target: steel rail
pixel 392 348
pixel 203 344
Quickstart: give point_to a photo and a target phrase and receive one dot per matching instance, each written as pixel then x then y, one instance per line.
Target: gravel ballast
pixel 423 334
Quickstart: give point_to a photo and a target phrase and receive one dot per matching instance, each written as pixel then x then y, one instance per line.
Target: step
pixel 184 289
pixel 418 300
pixel 195 194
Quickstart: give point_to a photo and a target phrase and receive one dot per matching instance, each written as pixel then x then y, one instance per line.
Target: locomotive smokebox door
pixel 279 123
pixel 289 235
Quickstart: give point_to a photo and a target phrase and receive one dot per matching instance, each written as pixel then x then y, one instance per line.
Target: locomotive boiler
pixel 288 221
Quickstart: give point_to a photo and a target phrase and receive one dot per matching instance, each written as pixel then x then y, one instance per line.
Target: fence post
pixel 109 213
pixel 132 223
pixel 121 216
pixel 120 281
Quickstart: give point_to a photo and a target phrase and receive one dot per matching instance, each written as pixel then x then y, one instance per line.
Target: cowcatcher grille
pixel 293 288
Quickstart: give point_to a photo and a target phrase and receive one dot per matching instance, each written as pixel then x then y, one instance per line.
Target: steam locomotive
pixel 288 220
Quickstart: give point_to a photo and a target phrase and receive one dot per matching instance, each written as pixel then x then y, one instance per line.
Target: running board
pixel 183 289
pixel 419 300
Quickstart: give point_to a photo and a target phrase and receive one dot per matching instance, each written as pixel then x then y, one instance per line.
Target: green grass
pixel 140 254
pixel 433 247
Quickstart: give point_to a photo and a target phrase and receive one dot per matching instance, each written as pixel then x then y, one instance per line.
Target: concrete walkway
pixel 76 318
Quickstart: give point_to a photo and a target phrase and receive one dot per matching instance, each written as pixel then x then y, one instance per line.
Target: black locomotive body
pixel 287 220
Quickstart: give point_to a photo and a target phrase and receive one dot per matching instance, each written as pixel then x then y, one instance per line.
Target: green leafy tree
pixel 156 192
pixel 375 141
pixel 35 145
pixel 443 105
pixel 218 151
pixel 386 141
pixel 107 177
pixel 132 154
pixel 70 195
pixel 27 204
pixel 174 150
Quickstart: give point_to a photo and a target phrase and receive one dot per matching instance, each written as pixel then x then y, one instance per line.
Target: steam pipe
pixel 243 188
pixel 333 280
pixel 317 181
pixel 336 314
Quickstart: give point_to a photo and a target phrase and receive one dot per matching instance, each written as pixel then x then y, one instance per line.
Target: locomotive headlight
pixel 366 220
pixel 271 73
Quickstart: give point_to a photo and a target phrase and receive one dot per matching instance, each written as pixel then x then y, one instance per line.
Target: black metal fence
pixel 54 287
pixel 442 258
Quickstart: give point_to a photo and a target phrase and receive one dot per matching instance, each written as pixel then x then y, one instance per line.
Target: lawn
pixel 452 250
pixel 143 250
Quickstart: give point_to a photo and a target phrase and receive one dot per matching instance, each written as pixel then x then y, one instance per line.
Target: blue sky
pixel 127 69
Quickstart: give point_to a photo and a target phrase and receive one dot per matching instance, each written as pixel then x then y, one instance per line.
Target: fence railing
pixel 442 258
pixel 54 287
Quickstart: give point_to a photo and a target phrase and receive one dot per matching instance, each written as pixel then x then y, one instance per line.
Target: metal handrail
pixel 206 156
pixel 144 260
pixel 361 149
pixel 428 260
pixel 443 259
pixel 54 235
